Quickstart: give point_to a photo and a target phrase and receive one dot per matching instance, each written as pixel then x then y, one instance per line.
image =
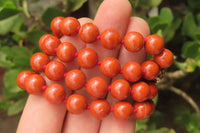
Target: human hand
pixel 39 116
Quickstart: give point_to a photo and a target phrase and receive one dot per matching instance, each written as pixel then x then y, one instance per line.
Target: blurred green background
pixel 23 22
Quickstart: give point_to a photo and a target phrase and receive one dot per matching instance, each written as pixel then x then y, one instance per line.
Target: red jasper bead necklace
pixel 138 80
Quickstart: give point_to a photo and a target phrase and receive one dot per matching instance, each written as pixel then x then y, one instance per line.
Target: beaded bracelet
pixel 138 79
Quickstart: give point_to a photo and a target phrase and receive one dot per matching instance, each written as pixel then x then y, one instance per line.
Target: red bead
pixel 38 61
pixel 55 93
pixel 69 26
pixel 97 87
pixel 110 67
pixel 152 106
pixel 21 77
pixel 153 90
pixel 87 58
pixel 164 59
pixel 154 44
pixel 99 108
pixel 55 26
pixel 34 84
pixel 88 32
pixel 48 43
pixel 150 70
pixel 132 71
pixel 123 110
pixel 55 70
pixel 133 41
pixel 110 38
pixel 120 89
pixel 76 103
pixel 75 79
pixel 140 91
pixel 66 52
pixel 142 110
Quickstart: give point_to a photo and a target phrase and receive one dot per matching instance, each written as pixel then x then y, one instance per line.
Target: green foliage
pixel 73 5
pixel 149 3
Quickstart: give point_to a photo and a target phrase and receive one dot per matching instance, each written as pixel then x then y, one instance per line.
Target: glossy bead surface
pixel 55 93
pixel 34 84
pixel 48 43
pixel 87 58
pixel 75 79
pixel 140 91
pixel 21 77
pixel 76 103
pixel 55 70
pixel 164 59
pixel 97 87
pixel 69 26
pixel 142 110
pixel 132 71
pixel 153 90
pixel 110 67
pixel 38 61
pixel 123 110
pixel 150 70
pixel 99 108
pixel 55 26
pixel 120 89
pixel 133 41
pixel 110 38
pixel 154 44
pixel 66 52
pixel 88 32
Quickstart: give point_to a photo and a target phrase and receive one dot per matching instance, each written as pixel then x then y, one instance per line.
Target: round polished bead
pixel 164 59
pixel 55 26
pixel 150 70
pixel 76 103
pixel 75 79
pixel 110 67
pixel 48 43
pixel 55 70
pixel 153 90
pixel 38 61
pixel 142 110
pixel 97 87
pixel 34 84
pixel 132 71
pixel 99 108
pixel 133 41
pixel 120 89
pixel 21 77
pixel 55 93
pixel 88 32
pixel 87 58
pixel 154 44
pixel 152 106
pixel 66 52
pixel 110 38
pixel 140 91
pixel 123 110
pixel 69 26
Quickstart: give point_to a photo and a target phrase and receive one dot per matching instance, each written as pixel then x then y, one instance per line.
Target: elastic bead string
pixel 153 44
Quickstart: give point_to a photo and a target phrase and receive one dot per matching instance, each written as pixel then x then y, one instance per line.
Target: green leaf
pixel 162 130
pixel 190 65
pixel 73 5
pixel 49 14
pixel 149 3
pixel 166 15
pixel 4 105
pixel 189 26
pixel 7 12
pixel 198 18
pixel 4 57
pixel 16 107
pixel 190 50
pixel 34 36
pixel 7 24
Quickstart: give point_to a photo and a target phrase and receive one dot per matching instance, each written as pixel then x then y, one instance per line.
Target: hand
pixel 39 116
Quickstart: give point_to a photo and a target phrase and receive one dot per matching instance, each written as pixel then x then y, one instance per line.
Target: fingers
pixel 127 126
pixel 39 115
pixel 111 14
